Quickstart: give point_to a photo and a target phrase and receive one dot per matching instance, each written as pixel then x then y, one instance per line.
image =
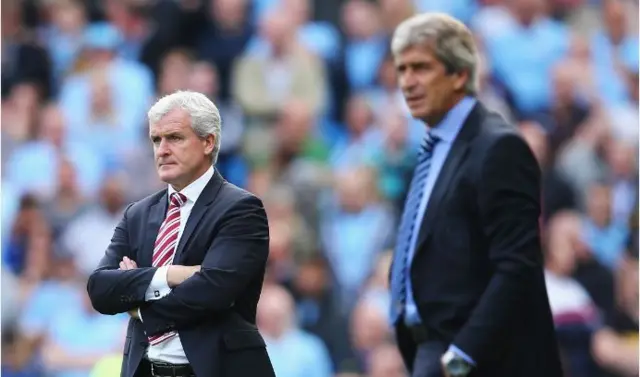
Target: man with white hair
pixel 187 263
pixel 468 296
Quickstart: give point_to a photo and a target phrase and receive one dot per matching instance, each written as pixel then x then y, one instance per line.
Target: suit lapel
pixel 455 157
pixel 199 209
pixel 155 218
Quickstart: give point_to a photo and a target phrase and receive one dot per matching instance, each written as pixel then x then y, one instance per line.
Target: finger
pixel 122 266
pixel 130 263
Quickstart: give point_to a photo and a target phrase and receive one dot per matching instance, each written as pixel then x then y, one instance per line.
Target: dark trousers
pixel 144 369
pixel 427 361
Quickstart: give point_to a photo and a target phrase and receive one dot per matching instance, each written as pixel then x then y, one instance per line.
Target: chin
pixel 166 176
pixel 419 114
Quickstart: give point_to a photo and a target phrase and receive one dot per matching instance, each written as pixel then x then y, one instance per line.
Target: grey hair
pixel 205 117
pixel 449 39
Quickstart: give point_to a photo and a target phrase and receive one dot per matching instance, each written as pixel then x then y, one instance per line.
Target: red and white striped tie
pixel 165 247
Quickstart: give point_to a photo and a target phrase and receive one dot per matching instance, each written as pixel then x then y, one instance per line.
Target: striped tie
pixel 165 247
pixel 407 226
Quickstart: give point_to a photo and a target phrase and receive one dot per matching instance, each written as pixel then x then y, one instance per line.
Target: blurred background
pixel 314 124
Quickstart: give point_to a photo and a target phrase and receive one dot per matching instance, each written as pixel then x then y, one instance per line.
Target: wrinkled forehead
pixel 414 54
pixel 176 120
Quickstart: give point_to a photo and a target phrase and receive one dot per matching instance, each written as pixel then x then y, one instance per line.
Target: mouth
pixel 414 99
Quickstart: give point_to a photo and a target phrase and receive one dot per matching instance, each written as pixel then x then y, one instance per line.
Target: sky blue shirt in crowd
pixel 298 353
pixel 523 59
pixel 447 131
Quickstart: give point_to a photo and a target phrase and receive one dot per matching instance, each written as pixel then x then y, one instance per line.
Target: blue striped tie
pixel 407 226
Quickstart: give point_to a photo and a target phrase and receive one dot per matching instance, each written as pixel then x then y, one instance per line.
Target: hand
pixel 444 368
pixel 445 373
pixel 454 366
pixel 177 274
pixel 127 264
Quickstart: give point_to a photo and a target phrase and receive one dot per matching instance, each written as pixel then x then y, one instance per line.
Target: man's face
pixel 180 155
pixel 427 87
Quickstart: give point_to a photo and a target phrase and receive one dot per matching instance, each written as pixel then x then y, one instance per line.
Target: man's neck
pixel 281 50
pixel 138 30
pixel 276 334
pixel 433 121
pixel 200 172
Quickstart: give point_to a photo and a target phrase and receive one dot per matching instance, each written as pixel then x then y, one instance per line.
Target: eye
pixel 421 67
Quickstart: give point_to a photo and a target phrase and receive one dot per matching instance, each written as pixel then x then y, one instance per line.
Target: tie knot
pixel 178 199
pixel 429 142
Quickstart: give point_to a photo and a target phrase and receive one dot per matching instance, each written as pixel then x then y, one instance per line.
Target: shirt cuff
pixel 159 287
pixel 460 353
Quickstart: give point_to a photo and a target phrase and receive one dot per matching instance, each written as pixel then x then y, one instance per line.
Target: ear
pixel 460 80
pixel 209 143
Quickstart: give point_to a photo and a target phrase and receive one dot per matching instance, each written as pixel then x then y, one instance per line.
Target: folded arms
pixel 234 259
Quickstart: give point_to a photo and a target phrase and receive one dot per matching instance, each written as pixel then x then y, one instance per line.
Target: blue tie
pixel 408 225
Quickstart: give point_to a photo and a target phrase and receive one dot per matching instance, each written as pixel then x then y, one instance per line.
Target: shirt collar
pixel 195 188
pixel 449 127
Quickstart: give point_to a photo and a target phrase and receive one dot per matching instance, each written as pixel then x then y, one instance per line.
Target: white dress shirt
pixel 171 351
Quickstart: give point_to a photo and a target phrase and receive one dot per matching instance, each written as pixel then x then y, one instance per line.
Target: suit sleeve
pixel 509 207
pixel 236 257
pixel 114 291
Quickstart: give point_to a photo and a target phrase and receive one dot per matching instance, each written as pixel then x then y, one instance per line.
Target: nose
pixel 163 148
pixel 407 81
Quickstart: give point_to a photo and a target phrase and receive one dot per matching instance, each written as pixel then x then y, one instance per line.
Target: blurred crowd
pixel 314 124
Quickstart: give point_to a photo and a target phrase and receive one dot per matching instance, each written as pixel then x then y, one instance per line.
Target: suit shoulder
pixel 234 202
pixel 495 127
pixel 234 194
pixel 496 132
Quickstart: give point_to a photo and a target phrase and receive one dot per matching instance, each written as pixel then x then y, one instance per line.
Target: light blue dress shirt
pixel 447 131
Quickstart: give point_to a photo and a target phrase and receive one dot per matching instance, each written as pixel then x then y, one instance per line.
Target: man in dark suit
pixel 188 262
pixel 467 284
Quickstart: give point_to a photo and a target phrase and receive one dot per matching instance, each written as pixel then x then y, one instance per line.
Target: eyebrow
pixel 171 133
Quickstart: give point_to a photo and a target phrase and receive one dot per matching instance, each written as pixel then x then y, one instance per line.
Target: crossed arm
pixel 237 254
pixel 170 277
pixel 114 290
pixel 118 285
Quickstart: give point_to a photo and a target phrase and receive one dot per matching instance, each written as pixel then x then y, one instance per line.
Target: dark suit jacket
pixel 477 273
pixel 214 311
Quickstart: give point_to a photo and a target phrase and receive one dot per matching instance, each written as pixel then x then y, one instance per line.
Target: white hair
pixel 205 117
pixel 449 39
